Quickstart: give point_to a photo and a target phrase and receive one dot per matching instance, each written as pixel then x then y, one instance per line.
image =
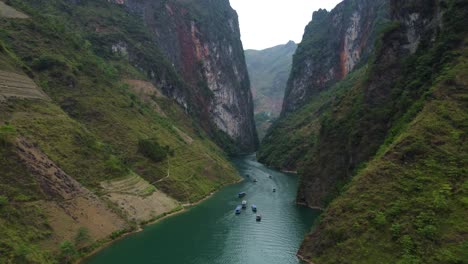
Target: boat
pixel 258 217
pixel 254 180
pixel 254 208
pixel 244 204
pixel 238 209
pixel 241 194
pixel 274 189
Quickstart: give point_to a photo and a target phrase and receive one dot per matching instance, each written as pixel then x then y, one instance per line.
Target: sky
pixel 267 23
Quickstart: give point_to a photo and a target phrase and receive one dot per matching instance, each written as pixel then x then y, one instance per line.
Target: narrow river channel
pixel 210 233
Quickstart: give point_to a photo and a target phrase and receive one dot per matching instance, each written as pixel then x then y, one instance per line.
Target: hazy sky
pixel 266 23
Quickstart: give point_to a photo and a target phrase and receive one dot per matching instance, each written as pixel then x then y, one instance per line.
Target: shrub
pixel 46 61
pixel 396 230
pixel 380 219
pixel 7 132
pixel 114 165
pixel 407 244
pixel 153 150
pixel 68 252
pixel 3 201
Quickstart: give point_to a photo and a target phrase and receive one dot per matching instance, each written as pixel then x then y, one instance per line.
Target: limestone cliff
pixel 339 152
pixel 334 43
pixel 269 71
pixel 373 140
pixel 392 134
pixel 201 40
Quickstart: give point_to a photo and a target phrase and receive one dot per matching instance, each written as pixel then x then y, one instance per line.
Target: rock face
pixel 371 147
pixel 201 39
pixel 342 126
pixel 384 133
pixel 339 153
pixel 334 43
pixel 269 71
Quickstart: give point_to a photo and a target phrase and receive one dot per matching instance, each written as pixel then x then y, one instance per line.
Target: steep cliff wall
pixel 405 204
pixel 201 39
pixel 361 120
pixel 377 149
pixel 269 71
pixel 334 44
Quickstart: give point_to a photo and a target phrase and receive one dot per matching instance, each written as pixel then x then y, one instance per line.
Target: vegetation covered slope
pixel 105 122
pixel 409 205
pixel 269 71
pixel 384 151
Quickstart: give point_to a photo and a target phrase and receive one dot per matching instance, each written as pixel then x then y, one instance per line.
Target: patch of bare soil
pixel 140 200
pixel 69 205
pixel 146 91
pixel 9 12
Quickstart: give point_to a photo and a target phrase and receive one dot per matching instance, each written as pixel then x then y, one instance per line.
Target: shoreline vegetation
pixel 121 234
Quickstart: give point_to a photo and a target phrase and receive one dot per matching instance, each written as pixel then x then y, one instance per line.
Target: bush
pixel 396 230
pixel 153 150
pixel 7 132
pixel 380 219
pixel 3 201
pixel 68 252
pixel 45 62
pixel 114 165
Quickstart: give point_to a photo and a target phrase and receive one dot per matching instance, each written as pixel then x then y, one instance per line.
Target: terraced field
pixel 14 85
pixel 140 200
pixel 10 12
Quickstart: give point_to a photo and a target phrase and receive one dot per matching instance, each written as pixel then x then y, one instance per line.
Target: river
pixel 210 233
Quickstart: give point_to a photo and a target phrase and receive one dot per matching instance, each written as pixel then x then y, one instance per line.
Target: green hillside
pixel 409 203
pixel 97 127
pixel 383 151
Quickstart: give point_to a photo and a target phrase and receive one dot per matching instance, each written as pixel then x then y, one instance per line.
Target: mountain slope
pixel 334 44
pixel 382 150
pixel 92 141
pixel 269 71
pixel 205 49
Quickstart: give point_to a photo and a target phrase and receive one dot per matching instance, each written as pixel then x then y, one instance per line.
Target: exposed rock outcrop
pixel 334 43
pixel 201 39
pixel 269 71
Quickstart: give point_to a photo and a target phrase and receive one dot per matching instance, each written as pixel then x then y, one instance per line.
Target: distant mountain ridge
pixel 269 71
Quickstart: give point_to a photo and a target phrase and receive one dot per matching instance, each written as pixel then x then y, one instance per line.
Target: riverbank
pixel 304 260
pixel 100 245
pixel 208 231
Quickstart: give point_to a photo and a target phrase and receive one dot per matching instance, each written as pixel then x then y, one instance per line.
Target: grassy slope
pixel 92 127
pixel 410 204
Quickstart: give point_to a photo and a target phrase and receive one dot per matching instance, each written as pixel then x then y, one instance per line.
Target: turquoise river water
pixel 210 233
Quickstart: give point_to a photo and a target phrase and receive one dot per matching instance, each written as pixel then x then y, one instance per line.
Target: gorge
pixel 116 114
